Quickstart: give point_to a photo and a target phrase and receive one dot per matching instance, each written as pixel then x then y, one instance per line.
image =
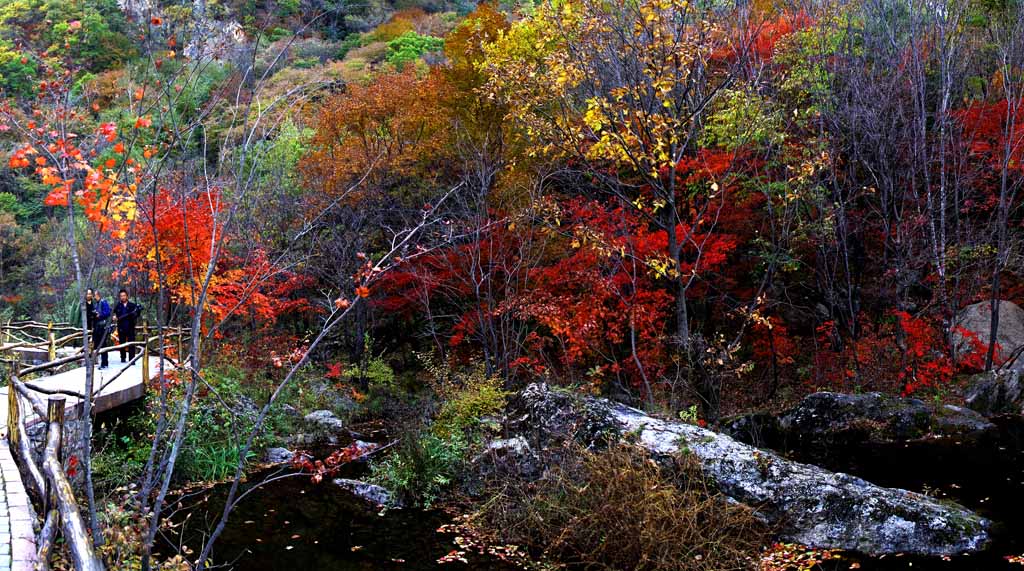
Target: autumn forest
pixel 633 285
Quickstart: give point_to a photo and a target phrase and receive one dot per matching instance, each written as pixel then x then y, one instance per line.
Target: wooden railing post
pixel 145 354
pixel 55 417
pixel 61 494
pixel 53 341
pixel 55 413
pixel 13 413
pixel 181 355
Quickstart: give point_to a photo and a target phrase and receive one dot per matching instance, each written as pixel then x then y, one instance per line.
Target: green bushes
pixel 212 444
pixel 351 42
pixel 410 46
pixel 217 427
pixel 429 459
pixel 120 453
pixel 470 403
pixel 17 71
pixel 423 467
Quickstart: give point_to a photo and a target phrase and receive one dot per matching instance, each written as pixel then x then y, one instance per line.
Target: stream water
pixel 293 524
pixel 986 476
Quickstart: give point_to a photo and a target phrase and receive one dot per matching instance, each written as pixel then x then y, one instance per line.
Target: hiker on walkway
pixel 126 315
pixel 90 309
pixel 101 316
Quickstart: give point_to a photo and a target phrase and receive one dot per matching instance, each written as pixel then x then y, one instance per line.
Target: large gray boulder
pixel 369 492
pixel 998 392
pixel 977 319
pixel 278 455
pixel 807 504
pixel 826 423
pixel 827 418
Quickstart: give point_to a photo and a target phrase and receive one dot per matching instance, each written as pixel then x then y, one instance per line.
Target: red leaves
pixel 335 371
pixel 902 353
pixel 19 159
pixel 72 466
pixel 925 365
pixel 184 225
pixel 330 465
pixel 107 130
pixel 989 138
pixel 58 196
pixel 765 39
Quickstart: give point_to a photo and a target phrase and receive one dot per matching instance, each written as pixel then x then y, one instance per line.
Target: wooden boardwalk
pixel 113 386
pixel 117 384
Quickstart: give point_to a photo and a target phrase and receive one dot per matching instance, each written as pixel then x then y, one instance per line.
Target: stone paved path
pixel 17 538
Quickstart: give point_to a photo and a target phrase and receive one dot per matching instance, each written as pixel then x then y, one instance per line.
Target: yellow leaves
pixel 661 267
pixel 548 65
pixel 594 117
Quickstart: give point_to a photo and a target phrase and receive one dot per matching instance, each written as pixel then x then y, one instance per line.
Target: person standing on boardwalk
pixel 90 310
pixel 126 315
pixel 101 315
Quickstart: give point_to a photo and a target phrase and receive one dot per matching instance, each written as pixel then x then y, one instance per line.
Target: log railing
pixel 10 341
pixel 47 483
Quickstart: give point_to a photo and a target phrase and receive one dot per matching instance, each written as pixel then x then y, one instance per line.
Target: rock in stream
pixel 998 392
pixel 825 420
pixel 806 503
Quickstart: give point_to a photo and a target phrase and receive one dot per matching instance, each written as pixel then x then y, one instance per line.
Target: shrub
pixel 423 467
pixel 218 425
pixel 618 509
pixel 466 395
pixel 479 397
pixel 410 46
pixel 120 454
pixel 372 52
pixel 351 42
pixel 17 71
pixel 212 446
pixel 124 534
pixel 217 429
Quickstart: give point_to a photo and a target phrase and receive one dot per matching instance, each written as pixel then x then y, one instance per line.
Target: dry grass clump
pixel 620 510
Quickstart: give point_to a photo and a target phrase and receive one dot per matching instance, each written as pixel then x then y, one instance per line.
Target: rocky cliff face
pixel 807 504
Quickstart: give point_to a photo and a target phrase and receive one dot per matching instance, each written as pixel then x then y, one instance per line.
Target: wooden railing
pixel 46 481
pixel 38 336
pixel 49 485
pixel 16 335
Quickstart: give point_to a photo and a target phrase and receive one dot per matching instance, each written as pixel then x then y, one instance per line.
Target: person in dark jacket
pixel 90 309
pixel 126 315
pixel 99 328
